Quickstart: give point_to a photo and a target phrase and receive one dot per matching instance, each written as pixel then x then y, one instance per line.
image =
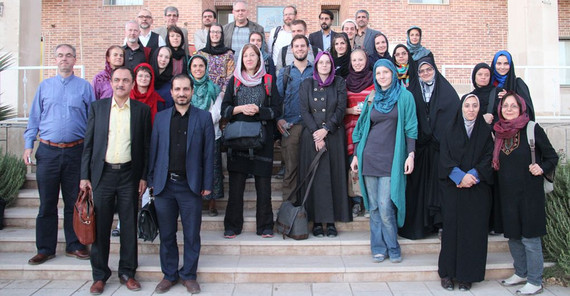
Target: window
pixel 564 58
pixel 123 2
pixel 428 1
pixel 225 16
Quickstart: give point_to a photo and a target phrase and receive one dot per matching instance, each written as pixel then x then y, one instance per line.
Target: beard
pixel 301 58
pixel 325 26
pixel 144 26
pixel 132 40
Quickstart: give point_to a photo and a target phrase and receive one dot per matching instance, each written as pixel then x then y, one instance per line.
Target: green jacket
pixel 407 127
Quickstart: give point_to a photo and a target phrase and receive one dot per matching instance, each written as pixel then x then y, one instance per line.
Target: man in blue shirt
pixel 59 117
pixel 288 81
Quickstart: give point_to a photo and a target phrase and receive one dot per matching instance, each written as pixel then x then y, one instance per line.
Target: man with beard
pixel 181 169
pixel 322 39
pixel 171 16
pixel 281 35
pixel 146 36
pixel 209 17
pixel 114 167
pixel 288 81
pixel 286 56
pixel 135 52
pixel 365 35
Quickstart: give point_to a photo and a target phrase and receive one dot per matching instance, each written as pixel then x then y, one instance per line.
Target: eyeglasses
pixel 144 17
pixel 67 55
pixel 428 70
pixel 512 106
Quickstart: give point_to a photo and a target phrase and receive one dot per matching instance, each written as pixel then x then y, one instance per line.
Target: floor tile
pixel 27 284
pixel 559 290
pixel 55 292
pixel 17 292
pixel 252 289
pixel 292 289
pixel 63 284
pixel 331 289
pixel 408 287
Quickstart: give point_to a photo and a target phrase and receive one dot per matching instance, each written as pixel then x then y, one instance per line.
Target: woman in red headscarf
pixel 143 91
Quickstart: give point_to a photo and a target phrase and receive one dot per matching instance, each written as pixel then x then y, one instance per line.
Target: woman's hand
pixel 488 118
pixel 320 134
pixel 319 145
pixel 409 164
pixel 467 181
pixel 249 109
pixel 354 164
pixel 355 110
pixel 502 94
pixel 535 169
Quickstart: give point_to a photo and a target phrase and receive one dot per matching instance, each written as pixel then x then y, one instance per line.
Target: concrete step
pixel 25 217
pixel 256 268
pixel 248 243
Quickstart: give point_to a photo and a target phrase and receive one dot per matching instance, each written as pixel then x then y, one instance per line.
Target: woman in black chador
pixel 466 176
pixel 436 106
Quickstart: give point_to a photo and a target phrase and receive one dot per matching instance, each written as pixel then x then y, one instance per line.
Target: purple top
pixel 102 83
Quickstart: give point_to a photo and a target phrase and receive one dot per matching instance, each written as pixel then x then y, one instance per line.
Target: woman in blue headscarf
pixel 503 76
pixel 207 97
pixel 385 137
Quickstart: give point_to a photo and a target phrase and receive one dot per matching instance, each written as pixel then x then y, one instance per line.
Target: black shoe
pixel 116 232
pixel 318 231
pixel 464 286
pixel 331 231
pixel 447 284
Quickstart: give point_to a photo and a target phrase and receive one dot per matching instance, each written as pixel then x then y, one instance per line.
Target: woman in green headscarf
pixel 207 96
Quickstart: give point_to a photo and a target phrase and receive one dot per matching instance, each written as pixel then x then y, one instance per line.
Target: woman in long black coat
pixel 323 102
pixel 466 176
pixel 436 106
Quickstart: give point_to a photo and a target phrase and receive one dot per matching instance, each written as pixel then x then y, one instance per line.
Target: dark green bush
pixel 12 177
pixel 557 239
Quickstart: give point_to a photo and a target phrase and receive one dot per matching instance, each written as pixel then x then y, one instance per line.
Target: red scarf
pixel 150 97
pixel 507 129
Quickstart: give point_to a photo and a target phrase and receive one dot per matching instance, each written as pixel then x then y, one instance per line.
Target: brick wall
pixel 564 18
pixel 464 32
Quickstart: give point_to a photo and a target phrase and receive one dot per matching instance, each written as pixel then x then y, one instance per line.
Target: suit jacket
pixel 96 136
pixel 369 40
pixel 316 39
pixel 200 151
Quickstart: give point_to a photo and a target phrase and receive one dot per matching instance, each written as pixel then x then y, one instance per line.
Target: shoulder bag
pixel 548 178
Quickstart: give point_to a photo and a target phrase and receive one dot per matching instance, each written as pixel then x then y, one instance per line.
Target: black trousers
pixel 234 211
pixel 116 187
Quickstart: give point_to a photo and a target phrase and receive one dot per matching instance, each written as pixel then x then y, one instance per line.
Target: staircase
pixel 247 258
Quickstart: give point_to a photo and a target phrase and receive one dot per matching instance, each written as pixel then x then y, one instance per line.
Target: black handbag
pixel 244 135
pixel 292 220
pixel 148 222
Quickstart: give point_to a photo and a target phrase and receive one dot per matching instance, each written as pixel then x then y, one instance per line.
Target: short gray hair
pixel 65 45
pixel 171 8
pixel 131 22
pixel 362 11
pixel 239 1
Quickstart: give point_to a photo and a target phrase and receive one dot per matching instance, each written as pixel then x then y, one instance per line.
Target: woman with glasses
pixel 220 58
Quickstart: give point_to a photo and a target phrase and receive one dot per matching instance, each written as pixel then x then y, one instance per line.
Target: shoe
pixel 513 280
pixel 440 233
pixel 78 254
pixel 130 282
pixel 116 232
pixel 229 234
pixel 331 231
pixel 464 286
pixel 318 231
pixel 378 258
pixel 366 214
pixel 281 173
pixel 529 289
pixel 396 259
pixel 40 258
pixel 213 212
pixel 267 233
pixel 192 286
pixel 356 210
pixel 97 288
pixel 447 284
pixel 164 286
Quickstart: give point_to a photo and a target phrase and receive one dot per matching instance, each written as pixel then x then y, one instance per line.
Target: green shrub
pixel 12 176
pixel 557 239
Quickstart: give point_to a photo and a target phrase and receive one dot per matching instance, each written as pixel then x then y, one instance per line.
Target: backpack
pixel 275 35
pixel 287 77
pixel 548 178
pixel 267 81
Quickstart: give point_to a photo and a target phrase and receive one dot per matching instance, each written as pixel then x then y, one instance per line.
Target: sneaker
pixel 367 214
pixel 356 209
pixel 513 280
pixel 396 259
pixel 529 289
pixel 318 231
pixel 267 233
pixel 378 258
pixel 331 231
pixel 229 234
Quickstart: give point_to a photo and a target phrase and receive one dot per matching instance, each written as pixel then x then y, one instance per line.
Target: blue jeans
pixel 383 227
pixel 528 260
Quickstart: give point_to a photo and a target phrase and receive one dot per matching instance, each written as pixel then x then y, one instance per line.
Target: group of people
pixel 391 126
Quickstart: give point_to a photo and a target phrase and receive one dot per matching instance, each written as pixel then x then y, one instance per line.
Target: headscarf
pixel 263 48
pixel 507 81
pixel 241 74
pixel 417 50
pixel 482 92
pixel 427 86
pixel 358 81
pixel 374 56
pixel 150 97
pixel 105 76
pixel 404 70
pixel 218 49
pixel 469 124
pixel 316 75
pixel 166 75
pixel 506 129
pixel 341 63
pixel 384 100
pixel 205 91
pixel 179 53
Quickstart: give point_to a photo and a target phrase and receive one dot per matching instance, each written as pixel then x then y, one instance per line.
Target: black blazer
pixel 95 146
pixel 316 39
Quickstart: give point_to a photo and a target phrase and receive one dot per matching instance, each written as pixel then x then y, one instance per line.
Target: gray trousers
pixel 528 259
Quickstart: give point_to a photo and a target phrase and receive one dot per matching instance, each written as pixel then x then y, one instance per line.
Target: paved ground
pixel 65 288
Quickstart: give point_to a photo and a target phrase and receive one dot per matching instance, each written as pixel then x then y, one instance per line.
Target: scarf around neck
pixel 241 74
pixel 384 100
pixel 507 129
pixel 417 50
pixel 316 75
pixel 358 81
pixel 205 91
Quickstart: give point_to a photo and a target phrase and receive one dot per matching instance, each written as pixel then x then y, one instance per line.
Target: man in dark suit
pixel 323 39
pixel 180 172
pixel 114 166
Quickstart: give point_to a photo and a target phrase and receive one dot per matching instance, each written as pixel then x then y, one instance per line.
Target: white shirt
pixel 283 39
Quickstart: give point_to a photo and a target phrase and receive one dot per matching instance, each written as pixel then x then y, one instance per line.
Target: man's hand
pixel 142 188
pixel 205 192
pixel 27 156
pixel 85 185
